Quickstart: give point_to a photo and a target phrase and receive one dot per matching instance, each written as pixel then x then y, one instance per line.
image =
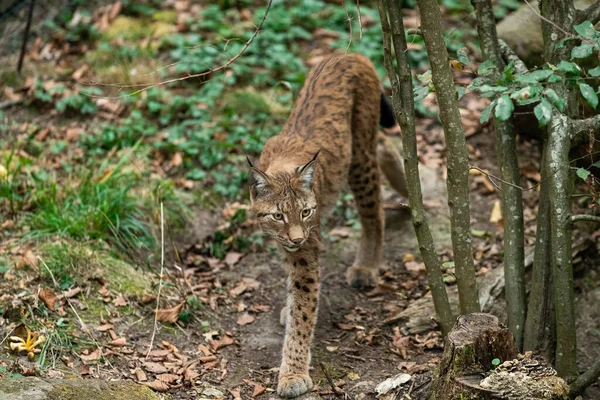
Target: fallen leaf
pixel 414 266
pixel 140 375
pixel 353 376
pixel 159 353
pixel 120 301
pixel 147 298
pixel 93 356
pixel 245 319
pixel 105 327
pixel 258 390
pixel 48 297
pixel 157 385
pixel 119 342
pixel 332 348
pixel 223 342
pixel 233 258
pixel 408 257
pixel 236 394
pixel 168 378
pixel 155 368
pixel 496 215
pixel 169 314
pixel 340 232
pixel 391 383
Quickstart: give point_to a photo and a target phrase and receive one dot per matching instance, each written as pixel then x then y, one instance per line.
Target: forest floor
pixel 84 177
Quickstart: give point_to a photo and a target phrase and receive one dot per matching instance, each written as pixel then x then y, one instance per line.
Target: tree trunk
pixel 470 347
pixel 403 103
pixel 458 157
pixel 540 327
pixel 512 199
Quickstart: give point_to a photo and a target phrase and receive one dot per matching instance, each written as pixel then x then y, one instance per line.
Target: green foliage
pixel 536 86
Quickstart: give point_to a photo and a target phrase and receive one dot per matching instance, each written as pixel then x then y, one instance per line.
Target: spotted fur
pixel 330 137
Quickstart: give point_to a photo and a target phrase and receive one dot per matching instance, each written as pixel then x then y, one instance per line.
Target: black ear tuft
pixel 259 182
pixel 249 162
pixel 306 172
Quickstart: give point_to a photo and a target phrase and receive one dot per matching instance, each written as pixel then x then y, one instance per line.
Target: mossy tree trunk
pixel 458 157
pixel 403 103
pixel 512 199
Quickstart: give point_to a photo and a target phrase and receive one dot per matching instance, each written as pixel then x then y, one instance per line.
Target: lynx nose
pixel 296 235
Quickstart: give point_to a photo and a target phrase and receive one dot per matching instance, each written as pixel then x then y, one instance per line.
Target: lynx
pixel 331 136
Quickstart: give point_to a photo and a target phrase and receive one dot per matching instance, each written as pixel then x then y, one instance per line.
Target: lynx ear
pixel 259 183
pixel 306 172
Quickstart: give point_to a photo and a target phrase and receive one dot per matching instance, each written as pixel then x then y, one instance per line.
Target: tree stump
pixel 465 372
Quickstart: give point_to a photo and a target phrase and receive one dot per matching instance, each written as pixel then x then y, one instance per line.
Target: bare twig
pixel 587 125
pixel 585 217
pixel 26 36
pixel 162 267
pixel 328 377
pixel 146 86
pixel 359 19
pixel 414 31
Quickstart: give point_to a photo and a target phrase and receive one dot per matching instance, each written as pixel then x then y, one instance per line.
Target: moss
pixel 245 102
pixel 136 28
pixel 167 16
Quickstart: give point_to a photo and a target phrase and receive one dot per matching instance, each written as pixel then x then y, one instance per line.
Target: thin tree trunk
pixel 512 200
pixel 458 157
pixel 561 14
pixel 25 36
pixel 403 103
pixel 540 326
pixel 559 145
pixel 584 380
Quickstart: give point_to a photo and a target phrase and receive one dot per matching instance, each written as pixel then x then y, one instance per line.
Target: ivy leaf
pixel 589 94
pixel 543 112
pixel 582 51
pixel 583 173
pixel 489 88
pixel 555 99
pixel 425 77
pixel 420 92
pixel 486 68
pixel 586 30
pixel 487 112
pixel 535 76
pixel 568 67
pixel 594 71
pixel 504 108
pixel 460 91
pixel 462 55
pixel 527 95
pixel 496 362
pixel 555 79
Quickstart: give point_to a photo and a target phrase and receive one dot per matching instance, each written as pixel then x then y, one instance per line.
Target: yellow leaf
pixel 496 215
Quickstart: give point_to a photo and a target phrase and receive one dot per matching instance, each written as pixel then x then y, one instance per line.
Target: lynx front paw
pixel 294 385
pixel 361 277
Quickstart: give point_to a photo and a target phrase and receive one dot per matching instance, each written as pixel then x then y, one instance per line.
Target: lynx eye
pixel 277 216
pixel 306 212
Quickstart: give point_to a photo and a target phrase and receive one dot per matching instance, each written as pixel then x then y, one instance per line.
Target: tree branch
pixel 509 55
pixel 592 13
pixel 458 157
pixel 585 217
pixel 404 111
pixel 587 125
pixel 584 380
pixel 512 199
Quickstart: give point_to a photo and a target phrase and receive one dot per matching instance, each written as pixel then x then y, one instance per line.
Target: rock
pixel 72 389
pixel 522 30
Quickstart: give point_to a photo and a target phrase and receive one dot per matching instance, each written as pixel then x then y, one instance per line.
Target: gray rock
pixel 32 388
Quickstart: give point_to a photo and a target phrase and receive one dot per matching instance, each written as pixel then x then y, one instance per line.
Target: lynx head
pixel 285 204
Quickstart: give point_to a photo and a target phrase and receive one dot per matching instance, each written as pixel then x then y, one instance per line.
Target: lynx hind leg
pixel 365 184
pixel 391 164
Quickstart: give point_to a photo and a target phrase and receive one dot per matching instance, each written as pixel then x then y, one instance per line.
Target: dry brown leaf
pixel 105 327
pixel 233 258
pixel 245 319
pixel 140 375
pixel 157 385
pixel 204 350
pixel 414 266
pixel 340 232
pixel 48 297
pixel 496 215
pixel 169 314
pixel 159 353
pixel 258 390
pixel 78 74
pixel 168 378
pixel 93 356
pixel 219 344
pixel 236 394
pixel 147 298
pixel 118 342
pixel 120 301
pixel 155 368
